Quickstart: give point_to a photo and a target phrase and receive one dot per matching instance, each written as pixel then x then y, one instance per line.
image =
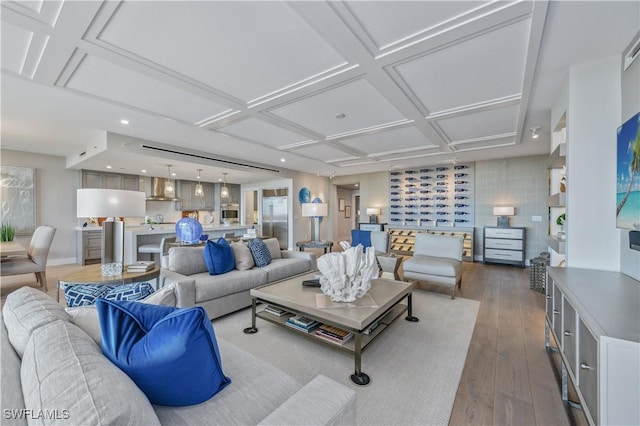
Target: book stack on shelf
pixel 141 266
pixel 274 310
pixel 304 324
pixel 333 334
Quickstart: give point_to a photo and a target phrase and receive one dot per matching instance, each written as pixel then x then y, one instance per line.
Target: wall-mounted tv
pixel 628 175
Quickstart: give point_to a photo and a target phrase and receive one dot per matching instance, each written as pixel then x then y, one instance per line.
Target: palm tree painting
pixel 628 174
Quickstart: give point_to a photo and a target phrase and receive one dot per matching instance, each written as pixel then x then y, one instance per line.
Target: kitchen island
pixel 135 236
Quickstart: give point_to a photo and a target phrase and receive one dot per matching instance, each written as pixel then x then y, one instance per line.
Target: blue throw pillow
pixel 218 256
pixel 260 252
pixel 87 294
pixel 360 237
pixel 170 353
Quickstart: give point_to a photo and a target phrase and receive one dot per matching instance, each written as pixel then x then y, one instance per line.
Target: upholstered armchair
pixel 437 259
pixel 36 261
pixel 379 240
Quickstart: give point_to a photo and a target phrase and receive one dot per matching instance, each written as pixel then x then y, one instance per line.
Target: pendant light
pixel 169 188
pixel 224 192
pixel 199 189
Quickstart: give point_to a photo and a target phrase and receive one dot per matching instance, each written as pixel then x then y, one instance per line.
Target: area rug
pixel 415 368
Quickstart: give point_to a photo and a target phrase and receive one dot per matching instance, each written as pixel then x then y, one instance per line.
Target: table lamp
pixel 315 211
pixel 503 214
pixel 373 213
pixel 112 204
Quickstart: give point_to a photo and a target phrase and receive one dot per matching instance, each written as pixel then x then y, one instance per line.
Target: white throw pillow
pixel 274 248
pixel 242 254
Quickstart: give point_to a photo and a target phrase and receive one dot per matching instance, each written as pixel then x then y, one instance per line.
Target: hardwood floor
pixel 508 377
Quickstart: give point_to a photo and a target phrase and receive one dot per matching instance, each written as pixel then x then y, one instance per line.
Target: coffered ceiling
pixel 332 88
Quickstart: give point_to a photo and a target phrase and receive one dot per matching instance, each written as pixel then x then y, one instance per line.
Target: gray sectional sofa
pixel 54 372
pixel 222 294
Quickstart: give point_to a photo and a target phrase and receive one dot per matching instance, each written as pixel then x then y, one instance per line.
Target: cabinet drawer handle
pixel 585 366
pixel 568 333
pixel 548 297
pixel 556 312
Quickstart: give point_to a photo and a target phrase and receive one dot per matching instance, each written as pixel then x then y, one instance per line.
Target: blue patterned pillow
pixel 133 291
pixel 86 294
pixel 170 353
pixel 260 252
pixel 218 256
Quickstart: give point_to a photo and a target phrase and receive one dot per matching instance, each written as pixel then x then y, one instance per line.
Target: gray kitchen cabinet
pixel 188 200
pixel 594 317
pixel 105 180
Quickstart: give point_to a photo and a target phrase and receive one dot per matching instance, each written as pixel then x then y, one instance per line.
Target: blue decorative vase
pixel 188 230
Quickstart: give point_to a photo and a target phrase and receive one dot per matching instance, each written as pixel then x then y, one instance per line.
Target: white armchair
pixel 36 262
pixel 437 259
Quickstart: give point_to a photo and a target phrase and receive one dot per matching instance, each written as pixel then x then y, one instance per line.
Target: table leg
pixel 358 377
pixel 58 292
pixel 410 316
pixel 252 329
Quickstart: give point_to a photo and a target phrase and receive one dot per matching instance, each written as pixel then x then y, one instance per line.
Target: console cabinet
pixel 594 317
pixel 88 247
pixel 504 245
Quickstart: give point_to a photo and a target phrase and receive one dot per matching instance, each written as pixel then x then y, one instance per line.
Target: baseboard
pixel 58 262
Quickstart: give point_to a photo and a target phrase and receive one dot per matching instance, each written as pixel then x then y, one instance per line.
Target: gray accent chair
pixel 437 259
pixel 36 260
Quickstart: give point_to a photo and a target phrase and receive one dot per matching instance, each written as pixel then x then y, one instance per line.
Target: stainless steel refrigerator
pixel 275 215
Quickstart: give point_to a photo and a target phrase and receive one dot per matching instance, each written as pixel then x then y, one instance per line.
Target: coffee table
pixel 291 296
pixel 92 274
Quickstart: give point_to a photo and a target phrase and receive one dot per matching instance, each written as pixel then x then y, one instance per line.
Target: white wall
pixel 55 201
pixel 592 119
pixel 630 259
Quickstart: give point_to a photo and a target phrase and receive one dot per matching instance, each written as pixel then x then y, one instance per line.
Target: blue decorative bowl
pixel 188 230
pixel 204 237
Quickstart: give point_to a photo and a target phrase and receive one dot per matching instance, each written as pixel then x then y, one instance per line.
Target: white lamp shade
pixel 95 202
pixel 373 210
pixel 504 211
pixel 315 209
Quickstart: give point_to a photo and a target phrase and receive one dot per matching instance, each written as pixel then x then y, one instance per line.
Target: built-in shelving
pixel 402 239
pixel 557 199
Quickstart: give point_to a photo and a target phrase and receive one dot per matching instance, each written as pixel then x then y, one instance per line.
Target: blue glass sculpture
pixel 188 230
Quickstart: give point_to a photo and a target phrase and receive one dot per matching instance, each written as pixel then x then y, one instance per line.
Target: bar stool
pixel 159 249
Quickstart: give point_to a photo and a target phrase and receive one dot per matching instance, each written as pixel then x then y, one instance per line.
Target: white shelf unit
pixel 557 199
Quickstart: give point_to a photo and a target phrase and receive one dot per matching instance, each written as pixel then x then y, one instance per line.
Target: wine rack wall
pixel 434 195
pixel 402 239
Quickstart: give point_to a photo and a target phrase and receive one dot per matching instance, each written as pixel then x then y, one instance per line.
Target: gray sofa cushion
pixel 187 260
pixel 63 369
pixel 257 389
pixel 11 387
pixel 433 266
pixel 210 287
pixel 242 255
pixel 280 269
pixel 27 309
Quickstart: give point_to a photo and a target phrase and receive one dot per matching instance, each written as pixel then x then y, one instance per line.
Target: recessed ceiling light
pixel 108 167
pixel 340 115
pixel 283 159
pixel 123 121
pixel 173 173
pixel 143 171
pixel 356 185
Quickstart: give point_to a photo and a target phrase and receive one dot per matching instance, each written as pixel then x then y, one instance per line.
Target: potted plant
pixel 7 232
pixel 561 221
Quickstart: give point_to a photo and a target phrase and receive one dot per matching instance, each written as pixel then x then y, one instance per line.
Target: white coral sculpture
pixel 347 275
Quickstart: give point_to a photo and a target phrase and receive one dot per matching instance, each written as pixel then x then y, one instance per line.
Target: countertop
pixel 165 229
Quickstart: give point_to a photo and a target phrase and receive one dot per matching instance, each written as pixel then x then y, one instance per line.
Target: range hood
pixel 157 190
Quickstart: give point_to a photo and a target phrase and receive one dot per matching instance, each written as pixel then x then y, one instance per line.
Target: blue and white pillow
pixel 87 294
pixel 260 252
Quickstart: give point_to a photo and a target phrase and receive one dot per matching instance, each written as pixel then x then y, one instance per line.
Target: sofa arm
pixel 311 257
pixel 322 401
pixel 185 287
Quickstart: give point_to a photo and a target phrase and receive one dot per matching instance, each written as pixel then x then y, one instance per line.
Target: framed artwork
pixel 347 212
pixel 18 194
pixel 341 204
pixel 628 175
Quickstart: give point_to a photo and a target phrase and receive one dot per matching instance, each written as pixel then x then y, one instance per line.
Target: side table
pixel 390 265
pixel 315 244
pixel 92 274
